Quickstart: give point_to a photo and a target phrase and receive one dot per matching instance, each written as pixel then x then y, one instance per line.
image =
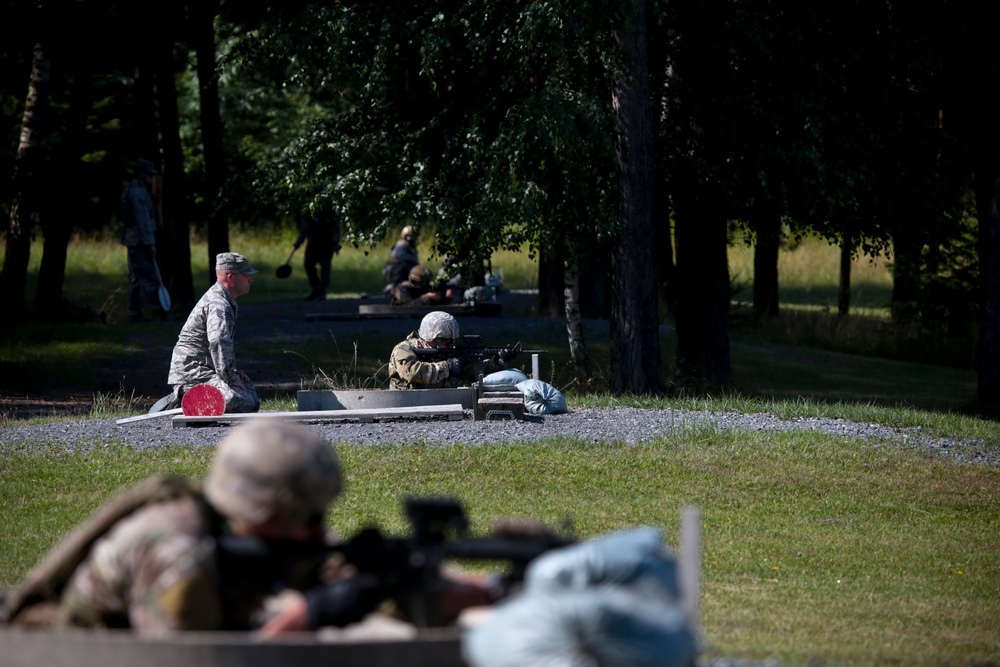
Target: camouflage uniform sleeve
pixel 406 371
pixel 220 327
pixel 154 572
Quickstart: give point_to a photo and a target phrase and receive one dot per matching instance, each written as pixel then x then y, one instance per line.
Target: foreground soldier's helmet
pixel 420 274
pixel 409 234
pixel 438 324
pixel 265 468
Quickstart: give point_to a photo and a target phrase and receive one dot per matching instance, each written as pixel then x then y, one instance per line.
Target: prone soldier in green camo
pixel 148 560
pixel 417 290
pixel 439 331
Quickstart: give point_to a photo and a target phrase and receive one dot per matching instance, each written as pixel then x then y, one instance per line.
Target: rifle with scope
pixel 407 569
pixel 469 350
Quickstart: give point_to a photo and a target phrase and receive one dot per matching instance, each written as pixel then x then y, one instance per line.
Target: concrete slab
pixel 117 648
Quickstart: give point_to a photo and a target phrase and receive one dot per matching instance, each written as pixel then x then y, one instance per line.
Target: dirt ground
pixel 141 375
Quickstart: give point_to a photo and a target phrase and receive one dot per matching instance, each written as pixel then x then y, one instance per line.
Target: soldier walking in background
pixel 140 221
pixel 320 231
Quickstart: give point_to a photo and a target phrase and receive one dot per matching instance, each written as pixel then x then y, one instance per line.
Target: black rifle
pixel 469 350
pixel 409 569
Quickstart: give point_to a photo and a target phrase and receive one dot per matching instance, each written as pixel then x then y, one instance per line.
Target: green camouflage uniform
pixel 205 354
pixel 407 371
pixel 153 572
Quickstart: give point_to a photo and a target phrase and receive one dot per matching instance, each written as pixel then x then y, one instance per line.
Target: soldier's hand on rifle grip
pixel 344 602
pixel 455 366
pixel 506 355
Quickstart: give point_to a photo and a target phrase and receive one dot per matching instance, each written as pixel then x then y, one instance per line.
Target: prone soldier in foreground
pixel 172 555
pixel 428 358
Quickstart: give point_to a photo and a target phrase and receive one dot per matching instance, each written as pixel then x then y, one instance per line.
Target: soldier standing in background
pixel 140 221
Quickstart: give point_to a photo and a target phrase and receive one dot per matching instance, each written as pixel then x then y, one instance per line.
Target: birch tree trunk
pixel 574 325
pixel 23 210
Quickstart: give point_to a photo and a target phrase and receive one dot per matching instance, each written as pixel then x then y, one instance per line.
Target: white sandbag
pixel 541 398
pixel 635 558
pixel 505 378
pixel 600 627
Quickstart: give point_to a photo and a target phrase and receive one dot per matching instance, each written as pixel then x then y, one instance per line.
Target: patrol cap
pixel 144 166
pixel 269 467
pixel 233 261
pixel 438 324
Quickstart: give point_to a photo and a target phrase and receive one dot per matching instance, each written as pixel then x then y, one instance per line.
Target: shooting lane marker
pixel 690 566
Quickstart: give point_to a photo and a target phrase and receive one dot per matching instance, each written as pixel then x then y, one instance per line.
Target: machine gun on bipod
pixel 406 569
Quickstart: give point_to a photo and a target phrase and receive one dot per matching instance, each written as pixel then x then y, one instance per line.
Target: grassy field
pixel 818 550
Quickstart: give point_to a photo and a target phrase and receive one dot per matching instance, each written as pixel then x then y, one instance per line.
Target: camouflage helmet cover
pixel 420 274
pixel 438 324
pixel 265 468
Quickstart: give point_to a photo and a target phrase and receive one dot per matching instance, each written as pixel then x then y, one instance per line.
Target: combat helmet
pixel 409 234
pixel 420 274
pixel 266 468
pixel 438 324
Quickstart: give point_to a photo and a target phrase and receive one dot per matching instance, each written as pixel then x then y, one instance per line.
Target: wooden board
pixel 453 412
pixel 152 415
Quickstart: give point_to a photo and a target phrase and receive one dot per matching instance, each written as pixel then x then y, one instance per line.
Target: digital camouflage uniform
pixel 204 352
pixel 407 371
pixel 138 216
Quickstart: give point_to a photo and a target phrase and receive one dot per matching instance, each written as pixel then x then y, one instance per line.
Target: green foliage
pixel 487 122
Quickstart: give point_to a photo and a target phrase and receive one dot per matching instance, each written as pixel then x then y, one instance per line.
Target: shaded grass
pixel 816 549
pixel 97 271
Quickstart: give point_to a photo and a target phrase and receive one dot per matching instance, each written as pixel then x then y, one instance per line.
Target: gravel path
pixel 625 425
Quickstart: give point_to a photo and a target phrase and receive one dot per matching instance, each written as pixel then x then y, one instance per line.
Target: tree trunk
pixel 765 268
pixel 989 265
pixel 23 210
pixel 574 326
pixel 844 289
pixel 57 221
pixel 905 276
pixel 211 131
pixel 551 280
pixel 635 325
pixel 702 359
pixel 175 255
